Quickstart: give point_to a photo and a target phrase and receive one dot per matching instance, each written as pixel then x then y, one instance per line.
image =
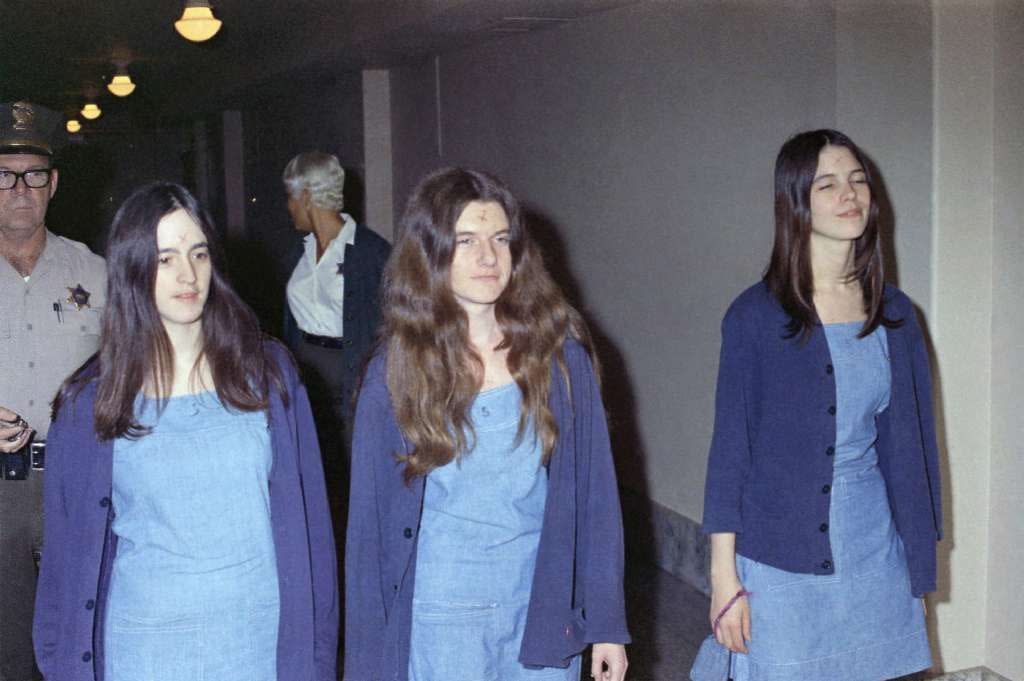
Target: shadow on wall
pixel 627 442
pixel 946 546
pixel 886 224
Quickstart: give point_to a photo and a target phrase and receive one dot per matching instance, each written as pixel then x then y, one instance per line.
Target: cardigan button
pixel 826 565
pixel 830 451
pixel 825 489
pixel 407 533
pixel 832 410
pixel 86 656
pixel 829 369
pixel 90 604
pixel 824 528
pixel 105 501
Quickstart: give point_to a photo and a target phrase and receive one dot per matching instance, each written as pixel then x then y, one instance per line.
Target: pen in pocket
pixel 60 312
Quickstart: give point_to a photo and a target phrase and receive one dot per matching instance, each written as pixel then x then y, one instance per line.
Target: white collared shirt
pixel 316 290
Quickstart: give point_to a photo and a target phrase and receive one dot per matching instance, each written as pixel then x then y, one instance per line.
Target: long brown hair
pixel 789 273
pixel 134 347
pixel 433 373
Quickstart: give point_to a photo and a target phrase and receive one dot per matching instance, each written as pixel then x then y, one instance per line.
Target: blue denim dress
pixel 477 547
pixel 193 593
pixel 861 623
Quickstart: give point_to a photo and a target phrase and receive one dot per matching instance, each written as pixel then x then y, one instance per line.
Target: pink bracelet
pixel 732 601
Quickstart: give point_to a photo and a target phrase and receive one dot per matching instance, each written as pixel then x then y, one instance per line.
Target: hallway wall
pixel 1005 623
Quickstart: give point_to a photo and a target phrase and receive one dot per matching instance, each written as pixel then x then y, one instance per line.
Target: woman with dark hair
pixel 485 534
pixel 822 495
pixel 171 450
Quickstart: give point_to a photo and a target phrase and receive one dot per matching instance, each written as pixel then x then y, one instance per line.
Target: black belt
pixel 16 465
pixel 324 341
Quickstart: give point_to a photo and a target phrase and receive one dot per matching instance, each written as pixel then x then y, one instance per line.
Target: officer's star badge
pixel 79 297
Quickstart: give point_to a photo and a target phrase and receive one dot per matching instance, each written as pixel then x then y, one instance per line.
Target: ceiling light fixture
pixel 91 112
pixel 122 84
pixel 197 22
pixel 73 126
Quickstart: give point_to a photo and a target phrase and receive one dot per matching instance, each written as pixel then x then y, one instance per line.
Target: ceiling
pixel 60 53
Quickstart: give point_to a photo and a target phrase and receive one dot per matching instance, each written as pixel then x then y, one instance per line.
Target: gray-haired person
pixel 333 306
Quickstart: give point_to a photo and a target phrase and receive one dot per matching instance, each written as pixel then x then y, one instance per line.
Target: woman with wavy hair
pixel 171 450
pixel 485 534
pixel 822 493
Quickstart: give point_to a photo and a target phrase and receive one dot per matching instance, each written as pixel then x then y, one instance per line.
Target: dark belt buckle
pixel 37 455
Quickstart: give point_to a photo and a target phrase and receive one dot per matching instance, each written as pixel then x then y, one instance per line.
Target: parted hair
pixel 135 350
pixel 433 372
pixel 789 275
pixel 321 175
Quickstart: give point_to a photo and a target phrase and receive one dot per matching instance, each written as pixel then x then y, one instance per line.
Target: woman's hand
pixel 733 630
pixel 612 655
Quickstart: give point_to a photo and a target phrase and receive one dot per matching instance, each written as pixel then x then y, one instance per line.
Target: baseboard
pixel 972 674
pixel 666 538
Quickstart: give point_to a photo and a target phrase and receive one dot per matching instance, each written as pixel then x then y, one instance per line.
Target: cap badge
pixel 23 115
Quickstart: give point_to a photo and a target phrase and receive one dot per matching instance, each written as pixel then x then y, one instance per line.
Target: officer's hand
pixel 14 431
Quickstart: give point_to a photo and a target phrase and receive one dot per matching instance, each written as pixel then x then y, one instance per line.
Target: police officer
pixel 52 293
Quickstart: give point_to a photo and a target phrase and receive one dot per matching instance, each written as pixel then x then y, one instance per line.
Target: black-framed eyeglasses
pixel 33 179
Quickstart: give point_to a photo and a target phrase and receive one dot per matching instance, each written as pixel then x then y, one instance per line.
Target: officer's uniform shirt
pixel 316 290
pixel 39 348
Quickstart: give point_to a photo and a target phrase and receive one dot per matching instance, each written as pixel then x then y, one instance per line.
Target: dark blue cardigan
pixel 770 466
pixel 577 593
pixel 80 547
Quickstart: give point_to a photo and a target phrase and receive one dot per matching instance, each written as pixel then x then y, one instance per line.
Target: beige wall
pixel 1004 649
pixel 961 323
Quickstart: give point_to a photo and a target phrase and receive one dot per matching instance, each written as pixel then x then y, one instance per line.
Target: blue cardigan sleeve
pixel 323 560
pixel 601 565
pixel 364 597
pixel 46 624
pixel 923 393
pixel 729 459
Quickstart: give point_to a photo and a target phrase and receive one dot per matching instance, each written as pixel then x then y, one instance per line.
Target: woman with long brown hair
pixel 485 534
pixel 171 450
pixel 822 495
